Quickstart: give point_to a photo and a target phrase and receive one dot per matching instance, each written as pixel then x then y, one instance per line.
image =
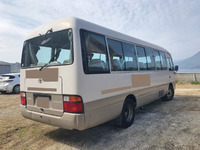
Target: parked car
pixel 10 83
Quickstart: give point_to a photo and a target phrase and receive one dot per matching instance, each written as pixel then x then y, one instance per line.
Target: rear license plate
pixel 42 102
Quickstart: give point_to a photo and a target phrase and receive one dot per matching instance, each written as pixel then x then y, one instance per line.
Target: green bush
pixel 195 82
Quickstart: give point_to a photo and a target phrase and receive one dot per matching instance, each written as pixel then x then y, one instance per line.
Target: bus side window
pixel 142 60
pixel 129 57
pixel 157 60
pixel 163 60
pixel 150 59
pixel 170 64
pixel 94 53
pixel 116 55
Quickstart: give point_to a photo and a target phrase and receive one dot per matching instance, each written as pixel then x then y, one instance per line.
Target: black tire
pixel 128 113
pixel 170 94
pixel 16 89
pixel 3 92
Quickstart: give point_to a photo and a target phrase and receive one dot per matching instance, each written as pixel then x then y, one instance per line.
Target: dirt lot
pixel 160 125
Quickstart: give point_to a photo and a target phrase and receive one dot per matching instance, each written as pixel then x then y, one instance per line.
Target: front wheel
pixel 128 113
pixel 16 89
pixel 170 94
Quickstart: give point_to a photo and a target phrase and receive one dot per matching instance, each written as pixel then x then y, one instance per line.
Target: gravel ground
pixel 160 125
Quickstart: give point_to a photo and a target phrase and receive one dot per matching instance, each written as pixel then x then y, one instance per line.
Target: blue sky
pixel 172 24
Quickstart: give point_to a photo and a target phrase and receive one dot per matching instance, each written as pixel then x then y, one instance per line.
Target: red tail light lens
pixel 73 104
pixel 23 98
pixel 8 81
pixel 73 107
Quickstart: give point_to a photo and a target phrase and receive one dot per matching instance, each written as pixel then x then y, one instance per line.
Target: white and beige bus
pixel 76 75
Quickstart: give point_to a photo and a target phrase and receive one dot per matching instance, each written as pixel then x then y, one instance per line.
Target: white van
pixel 76 75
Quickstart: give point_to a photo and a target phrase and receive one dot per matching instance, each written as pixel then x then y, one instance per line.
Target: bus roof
pixel 76 23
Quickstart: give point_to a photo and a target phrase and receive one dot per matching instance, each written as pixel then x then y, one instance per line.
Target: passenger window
pixel 11 77
pixel 130 57
pixel 163 61
pixel 157 60
pixel 116 55
pixel 170 64
pixel 142 60
pixel 94 53
pixel 150 59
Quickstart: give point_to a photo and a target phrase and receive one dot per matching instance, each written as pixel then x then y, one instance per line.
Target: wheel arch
pixel 133 98
pixel 15 86
pixel 171 85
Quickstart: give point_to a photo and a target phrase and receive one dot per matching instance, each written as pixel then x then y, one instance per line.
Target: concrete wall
pixel 4 68
pixel 187 77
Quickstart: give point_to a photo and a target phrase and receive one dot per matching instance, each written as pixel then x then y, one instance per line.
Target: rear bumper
pixel 67 120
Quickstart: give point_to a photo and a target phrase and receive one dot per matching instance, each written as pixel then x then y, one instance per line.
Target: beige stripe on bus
pixel 42 89
pixel 115 89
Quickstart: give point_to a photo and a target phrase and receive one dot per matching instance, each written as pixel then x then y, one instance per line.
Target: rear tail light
pixel 73 104
pixel 23 98
pixel 8 81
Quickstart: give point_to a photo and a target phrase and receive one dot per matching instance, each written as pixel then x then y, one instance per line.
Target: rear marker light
pixel 72 104
pixel 72 99
pixel 23 98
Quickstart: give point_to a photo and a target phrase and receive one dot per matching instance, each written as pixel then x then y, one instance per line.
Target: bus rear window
pixel 94 53
pixel 54 48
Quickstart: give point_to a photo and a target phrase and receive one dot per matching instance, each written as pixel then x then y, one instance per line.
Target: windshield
pixel 54 48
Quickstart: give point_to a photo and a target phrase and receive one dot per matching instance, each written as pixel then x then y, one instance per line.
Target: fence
pixel 187 77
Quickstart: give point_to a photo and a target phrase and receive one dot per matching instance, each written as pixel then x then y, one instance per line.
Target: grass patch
pixel 195 82
pixel 182 83
pixel 22 132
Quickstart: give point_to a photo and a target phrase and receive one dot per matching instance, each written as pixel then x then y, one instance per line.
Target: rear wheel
pixel 128 113
pixel 3 92
pixel 16 89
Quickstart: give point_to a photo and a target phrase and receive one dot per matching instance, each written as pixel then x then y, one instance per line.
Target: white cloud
pixel 171 24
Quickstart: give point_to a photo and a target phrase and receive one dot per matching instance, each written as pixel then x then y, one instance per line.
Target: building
pixel 5 68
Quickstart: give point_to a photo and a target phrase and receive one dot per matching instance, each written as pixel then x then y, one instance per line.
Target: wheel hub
pixel 129 113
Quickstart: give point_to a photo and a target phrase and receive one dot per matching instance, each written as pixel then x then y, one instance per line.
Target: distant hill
pixel 15 67
pixel 190 63
pixel 2 62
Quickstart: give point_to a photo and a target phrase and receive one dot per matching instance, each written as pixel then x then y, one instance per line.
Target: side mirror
pixel 176 68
